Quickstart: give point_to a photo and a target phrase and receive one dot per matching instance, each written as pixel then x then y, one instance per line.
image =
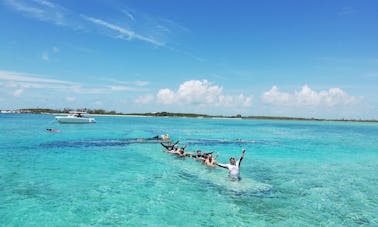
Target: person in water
pixel 210 161
pixel 181 152
pixel 198 156
pixel 233 167
pixel 170 146
pixel 165 137
pixel 153 139
pixel 173 150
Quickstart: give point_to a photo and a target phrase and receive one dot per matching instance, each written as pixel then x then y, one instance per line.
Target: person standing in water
pixel 233 167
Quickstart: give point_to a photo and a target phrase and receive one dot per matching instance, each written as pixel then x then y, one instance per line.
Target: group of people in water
pixel 206 159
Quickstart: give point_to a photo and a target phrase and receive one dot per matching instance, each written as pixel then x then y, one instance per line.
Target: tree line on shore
pixel 169 114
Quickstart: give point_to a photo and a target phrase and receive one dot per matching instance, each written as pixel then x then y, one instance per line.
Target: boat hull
pixel 75 120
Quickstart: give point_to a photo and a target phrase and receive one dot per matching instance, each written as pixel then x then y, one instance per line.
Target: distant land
pixel 168 114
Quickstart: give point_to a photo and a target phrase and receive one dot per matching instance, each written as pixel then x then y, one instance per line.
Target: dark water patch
pixel 86 143
pixel 195 141
pixel 97 143
pixel 128 141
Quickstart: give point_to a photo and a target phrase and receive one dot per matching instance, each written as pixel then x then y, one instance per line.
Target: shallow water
pixel 294 173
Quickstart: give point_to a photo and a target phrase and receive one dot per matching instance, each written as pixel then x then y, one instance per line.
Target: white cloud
pixel 20 6
pixel 45 56
pixel 16 76
pixel 122 32
pixel 45 3
pixel 139 83
pixel 166 96
pixel 150 29
pixel 41 10
pixel 26 81
pixel 274 96
pixel 82 90
pixel 55 50
pixel 145 99
pixel 307 97
pixel 18 92
pixel 129 15
pixel 35 85
pixel 71 99
pixel 346 11
pixel 22 81
pixel 120 88
pixel 99 103
pixel 201 93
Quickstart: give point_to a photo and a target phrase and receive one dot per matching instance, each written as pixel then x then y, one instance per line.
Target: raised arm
pixel 165 146
pixel 241 157
pixel 221 165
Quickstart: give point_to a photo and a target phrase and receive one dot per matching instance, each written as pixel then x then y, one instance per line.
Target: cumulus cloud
pixel 308 97
pixel 145 99
pixel 201 92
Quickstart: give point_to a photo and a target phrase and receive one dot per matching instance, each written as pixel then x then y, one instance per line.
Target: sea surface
pixel 295 173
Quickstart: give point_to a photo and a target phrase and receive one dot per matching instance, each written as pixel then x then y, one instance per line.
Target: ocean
pixel 295 173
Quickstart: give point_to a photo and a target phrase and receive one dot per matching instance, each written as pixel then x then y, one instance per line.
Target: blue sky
pixel 273 58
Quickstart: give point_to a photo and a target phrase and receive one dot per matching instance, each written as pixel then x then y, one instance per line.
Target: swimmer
pixel 198 156
pixel 165 137
pixel 169 147
pixel 174 150
pixel 149 140
pixel 210 161
pixel 233 167
pixel 52 130
pixel 181 152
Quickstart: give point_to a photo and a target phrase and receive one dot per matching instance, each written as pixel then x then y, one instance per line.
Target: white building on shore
pixel 9 111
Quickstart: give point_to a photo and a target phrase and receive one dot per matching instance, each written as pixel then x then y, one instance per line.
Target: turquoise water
pixel 295 173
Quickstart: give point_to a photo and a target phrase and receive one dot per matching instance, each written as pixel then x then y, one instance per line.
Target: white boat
pixel 75 118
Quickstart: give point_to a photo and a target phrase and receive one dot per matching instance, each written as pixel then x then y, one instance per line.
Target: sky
pixel 255 58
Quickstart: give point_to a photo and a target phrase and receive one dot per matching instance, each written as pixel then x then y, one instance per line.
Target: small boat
pixel 75 118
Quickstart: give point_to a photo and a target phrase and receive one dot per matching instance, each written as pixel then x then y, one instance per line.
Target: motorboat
pixel 75 118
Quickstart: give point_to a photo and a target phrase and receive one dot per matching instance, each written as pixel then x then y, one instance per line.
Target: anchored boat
pixel 75 118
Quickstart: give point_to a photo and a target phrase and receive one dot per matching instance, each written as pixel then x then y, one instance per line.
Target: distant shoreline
pixel 182 115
